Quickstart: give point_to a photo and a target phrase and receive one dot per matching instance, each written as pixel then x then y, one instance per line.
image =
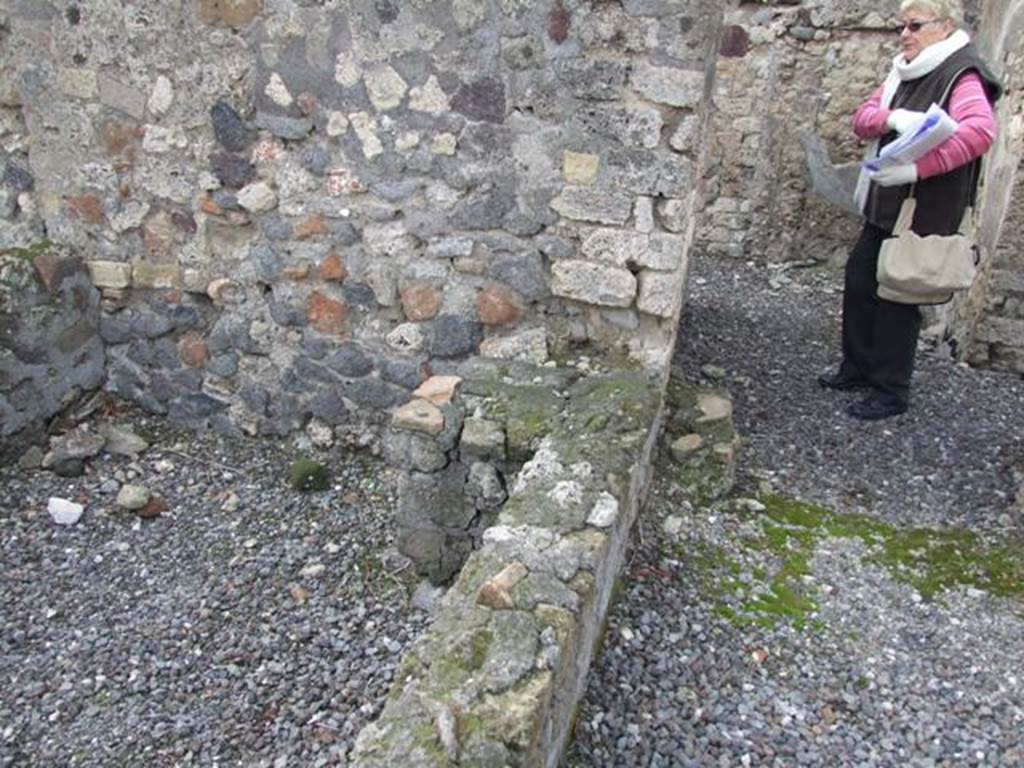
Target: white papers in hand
pixel 921 138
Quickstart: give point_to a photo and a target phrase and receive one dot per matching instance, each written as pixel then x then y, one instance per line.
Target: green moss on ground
pixel 929 559
pixel 308 476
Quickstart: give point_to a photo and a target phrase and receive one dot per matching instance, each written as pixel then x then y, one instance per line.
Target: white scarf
pixel 926 61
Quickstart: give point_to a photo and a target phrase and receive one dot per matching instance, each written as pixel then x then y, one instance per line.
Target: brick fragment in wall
pixel 332 268
pixel 420 302
pixel 87 208
pixel 327 315
pixel 232 13
pixel 497 305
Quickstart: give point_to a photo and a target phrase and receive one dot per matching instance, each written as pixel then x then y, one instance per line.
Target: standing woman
pixel 936 58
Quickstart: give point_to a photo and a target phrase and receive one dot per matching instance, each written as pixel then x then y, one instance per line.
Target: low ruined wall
pixel 295 211
pixel 495 680
pixel 50 350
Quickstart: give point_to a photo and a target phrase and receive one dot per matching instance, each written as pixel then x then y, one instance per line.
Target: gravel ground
pixel 866 670
pixel 249 624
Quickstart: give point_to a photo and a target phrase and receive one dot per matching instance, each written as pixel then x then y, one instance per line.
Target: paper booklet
pixel 921 138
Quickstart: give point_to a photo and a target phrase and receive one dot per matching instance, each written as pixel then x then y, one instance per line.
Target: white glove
pixel 894 175
pixel 901 120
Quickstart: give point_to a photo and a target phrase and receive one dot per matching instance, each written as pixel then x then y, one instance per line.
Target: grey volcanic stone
pixel 408 450
pixel 225 365
pixel 455 336
pixel 292 128
pixel 231 332
pixel 267 260
pixel 305 368
pixel 150 324
pixel 328 405
pixel 316 159
pixel 275 226
pixel 350 360
pixel 374 393
pixel 522 272
pixel 227 200
pixel 232 133
pixel 359 295
pixel 17 178
pixel 194 408
pixel 232 170
pixel 117 328
pixel 484 209
pixel 287 315
pixel 403 371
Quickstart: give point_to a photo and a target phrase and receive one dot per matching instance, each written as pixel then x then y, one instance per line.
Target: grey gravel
pixel 245 625
pixel 879 675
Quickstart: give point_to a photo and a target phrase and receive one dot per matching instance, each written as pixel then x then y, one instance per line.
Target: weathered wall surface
pixel 989 324
pixel 787 72
pixel 307 207
pixel 50 351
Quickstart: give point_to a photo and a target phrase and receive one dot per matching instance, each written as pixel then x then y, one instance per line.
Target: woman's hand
pixel 895 175
pixel 901 120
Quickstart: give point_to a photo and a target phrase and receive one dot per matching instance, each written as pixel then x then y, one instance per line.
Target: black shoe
pixel 842 382
pixel 873 408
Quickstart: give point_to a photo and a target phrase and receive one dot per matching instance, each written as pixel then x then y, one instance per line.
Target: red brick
pixel 499 306
pixel 192 350
pixel 87 208
pixel 231 13
pixel 311 226
pixel 327 315
pixel 333 268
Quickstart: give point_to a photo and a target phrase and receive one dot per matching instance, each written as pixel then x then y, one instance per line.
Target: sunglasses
pixel 916 26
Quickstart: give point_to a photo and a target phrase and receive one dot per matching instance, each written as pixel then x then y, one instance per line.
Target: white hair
pixel 943 10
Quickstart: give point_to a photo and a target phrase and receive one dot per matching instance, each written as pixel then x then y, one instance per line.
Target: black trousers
pixel 879 336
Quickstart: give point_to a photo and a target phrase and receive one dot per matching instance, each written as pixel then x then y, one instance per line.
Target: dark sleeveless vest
pixel 942 199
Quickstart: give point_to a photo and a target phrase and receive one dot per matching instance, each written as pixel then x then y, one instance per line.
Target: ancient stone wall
pixel 50 351
pixel 298 210
pixel 989 324
pixel 789 78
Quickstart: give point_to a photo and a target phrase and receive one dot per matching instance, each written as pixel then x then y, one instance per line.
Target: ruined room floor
pixel 859 598
pixel 246 624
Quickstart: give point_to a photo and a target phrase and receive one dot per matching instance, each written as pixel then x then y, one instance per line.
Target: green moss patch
pixel 929 559
pixel 308 476
pixel 29 253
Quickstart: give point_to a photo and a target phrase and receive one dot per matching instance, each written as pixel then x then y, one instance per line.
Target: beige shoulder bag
pixel 925 270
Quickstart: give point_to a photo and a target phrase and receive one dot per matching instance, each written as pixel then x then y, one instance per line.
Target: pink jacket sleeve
pixel 976 129
pixel 869 120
